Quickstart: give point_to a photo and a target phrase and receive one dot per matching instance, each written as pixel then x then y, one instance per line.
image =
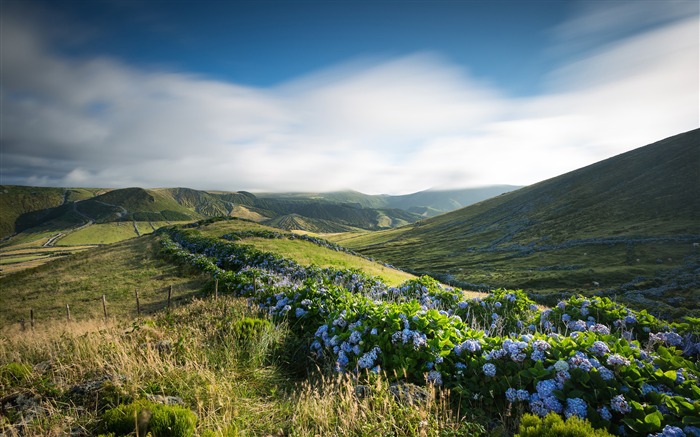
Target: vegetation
pixel 293 349
pixel 624 228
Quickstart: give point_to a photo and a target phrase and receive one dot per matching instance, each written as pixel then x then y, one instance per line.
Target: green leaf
pixel 691 420
pixel 654 418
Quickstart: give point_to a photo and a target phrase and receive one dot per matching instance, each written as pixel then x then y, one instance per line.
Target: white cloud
pixel 391 125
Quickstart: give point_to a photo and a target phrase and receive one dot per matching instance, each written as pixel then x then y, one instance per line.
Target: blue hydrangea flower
pixel 561 366
pixel 619 404
pixel 605 414
pixel 489 369
pixel 599 348
pixel 434 377
pixel 617 360
pixel 545 387
pixel 300 312
pixel 576 407
pixel 669 431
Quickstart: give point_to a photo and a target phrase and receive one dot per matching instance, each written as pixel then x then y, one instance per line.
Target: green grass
pixel 101 233
pixel 306 253
pixel 80 280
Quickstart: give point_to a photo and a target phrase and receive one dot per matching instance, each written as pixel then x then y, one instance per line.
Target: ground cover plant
pixel 291 349
pixel 621 369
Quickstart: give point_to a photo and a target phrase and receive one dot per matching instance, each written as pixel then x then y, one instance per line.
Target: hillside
pixel 227 327
pixel 116 270
pixel 625 225
pixel 58 209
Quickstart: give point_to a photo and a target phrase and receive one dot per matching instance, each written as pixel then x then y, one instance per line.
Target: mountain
pixel 625 225
pixel 428 203
pixel 57 209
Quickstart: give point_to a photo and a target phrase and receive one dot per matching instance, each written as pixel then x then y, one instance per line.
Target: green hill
pixel 623 226
pixel 428 203
pixel 22 207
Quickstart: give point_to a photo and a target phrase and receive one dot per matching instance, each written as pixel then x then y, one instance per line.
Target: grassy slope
pixel 649 192
pixel 81 279
pixel 306 253
pixel 15 201
pixel 118 270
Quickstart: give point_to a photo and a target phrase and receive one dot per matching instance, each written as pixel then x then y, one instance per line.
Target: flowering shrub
pixel 585 358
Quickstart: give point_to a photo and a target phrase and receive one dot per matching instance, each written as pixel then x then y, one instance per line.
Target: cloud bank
pixel 377 126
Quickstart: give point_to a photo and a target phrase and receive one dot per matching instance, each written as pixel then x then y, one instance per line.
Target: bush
pixel 552 425
pixel 159 420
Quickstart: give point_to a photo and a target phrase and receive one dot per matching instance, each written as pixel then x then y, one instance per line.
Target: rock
pixel 165 400
pixel 410 393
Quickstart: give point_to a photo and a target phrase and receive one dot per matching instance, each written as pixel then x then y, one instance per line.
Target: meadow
pixel 272 346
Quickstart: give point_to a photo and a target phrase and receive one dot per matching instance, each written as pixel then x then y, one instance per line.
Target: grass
pixel 101 233
pixel 72 373
pixel 304 252
pixel 307 253
pixel 80 280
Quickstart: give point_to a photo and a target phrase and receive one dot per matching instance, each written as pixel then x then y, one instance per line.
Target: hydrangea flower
pixel 605 414
pixel 434 377
pixel 619 404
pixel 599 348
pixel 468 345
pixel 576 407
pixel 606 373
pixel 300 312
pixel 545 387
pixel 367 360
pixel 561 366
pixel 599 329
pixel 489 369
pixel 670 338
pixel 669 431
pixel 578 326
pixel 617 360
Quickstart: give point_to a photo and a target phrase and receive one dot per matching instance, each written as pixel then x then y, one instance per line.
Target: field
pixel 281 334
pixel 34 248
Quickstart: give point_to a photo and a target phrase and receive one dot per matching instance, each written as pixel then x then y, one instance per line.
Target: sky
pixel 378 96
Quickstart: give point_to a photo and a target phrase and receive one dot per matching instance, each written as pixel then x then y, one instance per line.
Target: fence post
pixel 216 290
pixel 170 293
pixel 31 318
pixel 67 312
pixel 104 306
pixel 138 304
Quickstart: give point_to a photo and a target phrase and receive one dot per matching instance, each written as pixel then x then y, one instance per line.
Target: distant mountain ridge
pixel 27 207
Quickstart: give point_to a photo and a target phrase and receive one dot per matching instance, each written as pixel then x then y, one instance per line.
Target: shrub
pixel 159 420
pixel 552 425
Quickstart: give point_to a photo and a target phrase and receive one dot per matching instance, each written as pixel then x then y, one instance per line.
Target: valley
pixel 571 300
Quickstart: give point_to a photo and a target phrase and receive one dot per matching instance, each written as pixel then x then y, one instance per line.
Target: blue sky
pixel 377 96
